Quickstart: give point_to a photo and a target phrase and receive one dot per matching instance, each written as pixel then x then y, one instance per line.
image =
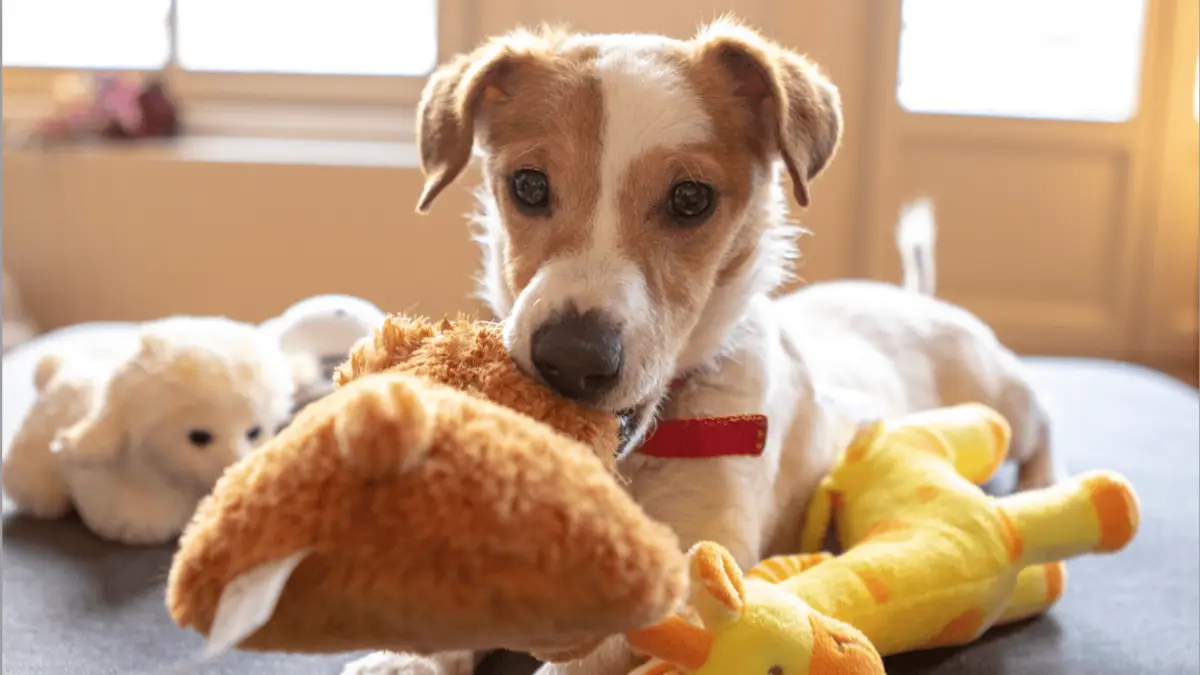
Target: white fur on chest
pixel 751 505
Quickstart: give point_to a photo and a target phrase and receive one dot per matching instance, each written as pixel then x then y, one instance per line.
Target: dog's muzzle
pixel 579 356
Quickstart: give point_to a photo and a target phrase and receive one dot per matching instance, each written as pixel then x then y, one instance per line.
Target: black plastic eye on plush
pixel 530 190
pixel 254 433
pixel 690 202
pixel 200 437
pixel 775 670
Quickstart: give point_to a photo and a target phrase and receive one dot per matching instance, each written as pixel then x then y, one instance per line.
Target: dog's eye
pixel 531 190
pixel 690 203
pixel 200 437
pixel 775 670
pixel 254 433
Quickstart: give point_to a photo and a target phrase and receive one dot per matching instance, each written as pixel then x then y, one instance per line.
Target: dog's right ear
pixel 453 100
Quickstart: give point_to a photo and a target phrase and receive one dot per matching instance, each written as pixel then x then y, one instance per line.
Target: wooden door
pixel 1042 130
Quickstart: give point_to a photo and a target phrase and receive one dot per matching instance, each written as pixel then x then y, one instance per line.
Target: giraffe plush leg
pixel 977 435
pixel 782 567
pixel 1093 513
pixel 1038 588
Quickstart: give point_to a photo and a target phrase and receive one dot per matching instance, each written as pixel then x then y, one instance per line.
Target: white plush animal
pixel 317 334
pixel 133 435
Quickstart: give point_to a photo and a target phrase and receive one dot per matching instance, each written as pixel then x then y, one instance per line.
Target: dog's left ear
pixel 795 108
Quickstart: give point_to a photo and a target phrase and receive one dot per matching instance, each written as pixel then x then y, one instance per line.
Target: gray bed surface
pixel 77 605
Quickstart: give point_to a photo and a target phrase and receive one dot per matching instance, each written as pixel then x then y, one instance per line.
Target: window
pixel 1051 59
pixel 359 37
pixel 211 45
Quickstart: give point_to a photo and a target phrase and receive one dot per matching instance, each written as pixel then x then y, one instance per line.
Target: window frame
pixel 213 99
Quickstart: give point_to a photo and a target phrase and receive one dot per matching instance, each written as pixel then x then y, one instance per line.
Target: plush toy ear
pixel 796 108
pixel 102 434
pixel 99 436
pixel 718 587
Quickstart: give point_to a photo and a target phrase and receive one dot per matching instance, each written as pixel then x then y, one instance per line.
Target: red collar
pixel 705 438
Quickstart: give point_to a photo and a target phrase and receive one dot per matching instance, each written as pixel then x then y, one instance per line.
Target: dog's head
pixel 631 201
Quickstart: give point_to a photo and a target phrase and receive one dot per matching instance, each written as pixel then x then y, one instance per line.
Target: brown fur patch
pixel 680 264
pixel 554 125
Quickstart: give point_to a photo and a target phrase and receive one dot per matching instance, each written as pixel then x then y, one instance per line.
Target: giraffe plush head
pixel 749 626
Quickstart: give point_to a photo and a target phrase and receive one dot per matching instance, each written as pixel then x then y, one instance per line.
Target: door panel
pixel 1042 222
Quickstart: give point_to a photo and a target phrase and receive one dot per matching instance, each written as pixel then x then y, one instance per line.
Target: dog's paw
pixel 391 663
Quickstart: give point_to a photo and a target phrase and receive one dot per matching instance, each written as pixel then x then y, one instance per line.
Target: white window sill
pixel 227 132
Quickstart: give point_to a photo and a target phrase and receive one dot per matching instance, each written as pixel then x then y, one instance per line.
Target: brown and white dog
pixel 633 225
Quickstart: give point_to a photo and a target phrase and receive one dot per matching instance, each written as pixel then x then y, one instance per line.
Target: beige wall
pixel 112 234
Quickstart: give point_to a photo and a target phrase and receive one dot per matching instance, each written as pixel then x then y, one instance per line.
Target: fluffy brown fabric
pixel 437 518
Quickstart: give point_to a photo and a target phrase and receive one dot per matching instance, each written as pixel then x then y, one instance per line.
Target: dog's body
pixel 653 289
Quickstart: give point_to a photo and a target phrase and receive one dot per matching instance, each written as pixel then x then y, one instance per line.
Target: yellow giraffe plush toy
pixel 930 560
pixel 750 626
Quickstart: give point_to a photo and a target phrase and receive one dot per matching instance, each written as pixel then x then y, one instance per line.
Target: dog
pixel 633 223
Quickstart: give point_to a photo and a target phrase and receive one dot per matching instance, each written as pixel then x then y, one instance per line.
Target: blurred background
pixel 1057 139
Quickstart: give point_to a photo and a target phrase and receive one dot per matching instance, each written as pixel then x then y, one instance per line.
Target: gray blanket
pixel 76 605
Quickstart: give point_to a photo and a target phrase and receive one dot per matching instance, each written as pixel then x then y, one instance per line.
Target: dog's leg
pixel 392 663
pixel 1037 466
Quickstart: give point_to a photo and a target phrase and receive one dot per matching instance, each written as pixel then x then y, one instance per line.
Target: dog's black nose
pixel 578 355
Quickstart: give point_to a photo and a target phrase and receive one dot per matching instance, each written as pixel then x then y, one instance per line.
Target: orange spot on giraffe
pixel 674 640
pixel 961 630
pixel 1056 578
pixel 927 493
pixel 773 570
pixel 878 590
pixel 838 648
pixel 1012 538
pixel 1117 509
pixel 779 568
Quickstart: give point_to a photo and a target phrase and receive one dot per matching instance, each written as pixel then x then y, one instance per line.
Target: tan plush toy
pixel 410 510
